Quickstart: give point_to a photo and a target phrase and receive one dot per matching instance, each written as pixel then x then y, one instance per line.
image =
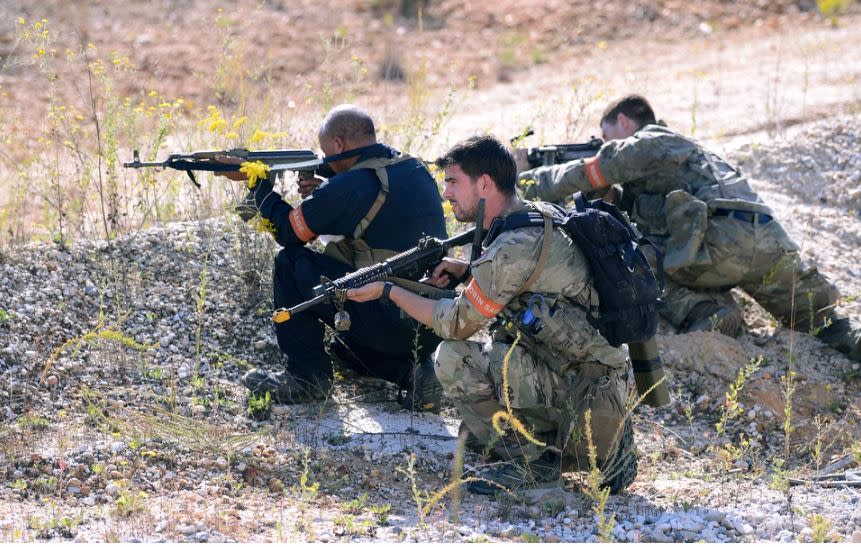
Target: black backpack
pixel 628 292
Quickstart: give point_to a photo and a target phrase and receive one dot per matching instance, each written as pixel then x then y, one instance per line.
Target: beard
pixel 462 215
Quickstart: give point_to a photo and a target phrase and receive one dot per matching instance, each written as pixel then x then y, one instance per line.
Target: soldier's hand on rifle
pixel 445 271
pixel 307 183
pixel 232 175
pixel 366 293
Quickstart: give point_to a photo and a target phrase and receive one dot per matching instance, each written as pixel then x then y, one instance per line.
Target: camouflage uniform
pixel 715 231
pixel 549 392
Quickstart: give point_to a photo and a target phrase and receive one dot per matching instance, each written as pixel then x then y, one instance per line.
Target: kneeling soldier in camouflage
pixel 550 399
pixel 715 230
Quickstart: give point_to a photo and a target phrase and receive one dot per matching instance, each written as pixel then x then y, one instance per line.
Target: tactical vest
pixel 677 202
pixel 353 250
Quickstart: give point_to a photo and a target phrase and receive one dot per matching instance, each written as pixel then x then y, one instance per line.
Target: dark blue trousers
pixel 381 340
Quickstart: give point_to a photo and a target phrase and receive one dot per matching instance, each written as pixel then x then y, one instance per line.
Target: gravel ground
pixel 136 430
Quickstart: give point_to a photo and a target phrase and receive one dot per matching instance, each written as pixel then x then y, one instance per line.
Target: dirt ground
pixel 747 77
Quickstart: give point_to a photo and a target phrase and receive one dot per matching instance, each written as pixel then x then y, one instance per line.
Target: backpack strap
pixel 542 256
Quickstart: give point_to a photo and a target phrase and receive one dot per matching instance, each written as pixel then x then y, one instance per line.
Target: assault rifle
pixel 552 154
pixel 278 160
pixel 411 264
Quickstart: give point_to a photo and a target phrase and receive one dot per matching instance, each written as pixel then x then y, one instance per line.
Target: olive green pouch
pixel 687 222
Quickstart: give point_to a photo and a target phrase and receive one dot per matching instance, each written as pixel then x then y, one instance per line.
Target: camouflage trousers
pixel 762 260
pixel 550 406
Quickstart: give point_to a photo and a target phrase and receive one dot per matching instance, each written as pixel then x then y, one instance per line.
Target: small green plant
pixel 19 485
pixel 259 406
pixel 5 316
pixel 856 452
pixel 732 408
pixel 529 538
pixel 592 489
pixel 197 382
pixel 419 497
pixel 788 387
pixel 553 508
pixel 821 528
pixel 779 479
pixel 831 9
pixel 32 421
pixel 381 513
pixel 155 373
pixel 352 526
pixel 817 442
pixel 357 505
pixel 129 502
pixel 307 486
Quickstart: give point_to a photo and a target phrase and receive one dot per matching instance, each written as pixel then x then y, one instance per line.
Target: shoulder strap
pixel 379 166
pixel 542 256
pixel 522 219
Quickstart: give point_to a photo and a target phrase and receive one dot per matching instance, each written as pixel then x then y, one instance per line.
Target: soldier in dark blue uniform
pixel 382 202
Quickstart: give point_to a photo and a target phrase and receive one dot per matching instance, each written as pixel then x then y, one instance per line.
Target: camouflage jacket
pixel 649 164
pixel 498 276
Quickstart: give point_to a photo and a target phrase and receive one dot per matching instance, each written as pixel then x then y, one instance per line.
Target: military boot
pixel 545 472
pixel 286 388
pixel 472 442
pixel 844 335
pixel 620 470
pixel 710 316
pixel 423 392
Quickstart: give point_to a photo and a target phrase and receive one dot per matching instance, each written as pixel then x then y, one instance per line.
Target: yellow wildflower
pixel 232 135
pixel 446 208
pixel 22 21
pixel 254 170
pixel 153 93
pixel 259 136
pixel 237 123
pixel 218 125
pixel 263 225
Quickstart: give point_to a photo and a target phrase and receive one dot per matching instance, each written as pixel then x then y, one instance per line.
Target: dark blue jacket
pixel 412 209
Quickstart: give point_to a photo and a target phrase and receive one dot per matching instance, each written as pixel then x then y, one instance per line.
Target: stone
pixel 713 515
pixel 856 536
pixel 186 529
pixel 275 485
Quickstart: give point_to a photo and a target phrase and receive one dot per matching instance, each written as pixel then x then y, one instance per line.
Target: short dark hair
pixel 483 155
pixel 635 107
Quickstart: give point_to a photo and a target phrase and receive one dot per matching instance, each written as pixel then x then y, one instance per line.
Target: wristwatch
pixel 387 288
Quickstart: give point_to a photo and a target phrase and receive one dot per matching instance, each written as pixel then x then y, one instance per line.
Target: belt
pixel 744 216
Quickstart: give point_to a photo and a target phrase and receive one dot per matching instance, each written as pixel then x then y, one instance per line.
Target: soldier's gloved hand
pixel 446 271
pixel 307 183
pixel 247 208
